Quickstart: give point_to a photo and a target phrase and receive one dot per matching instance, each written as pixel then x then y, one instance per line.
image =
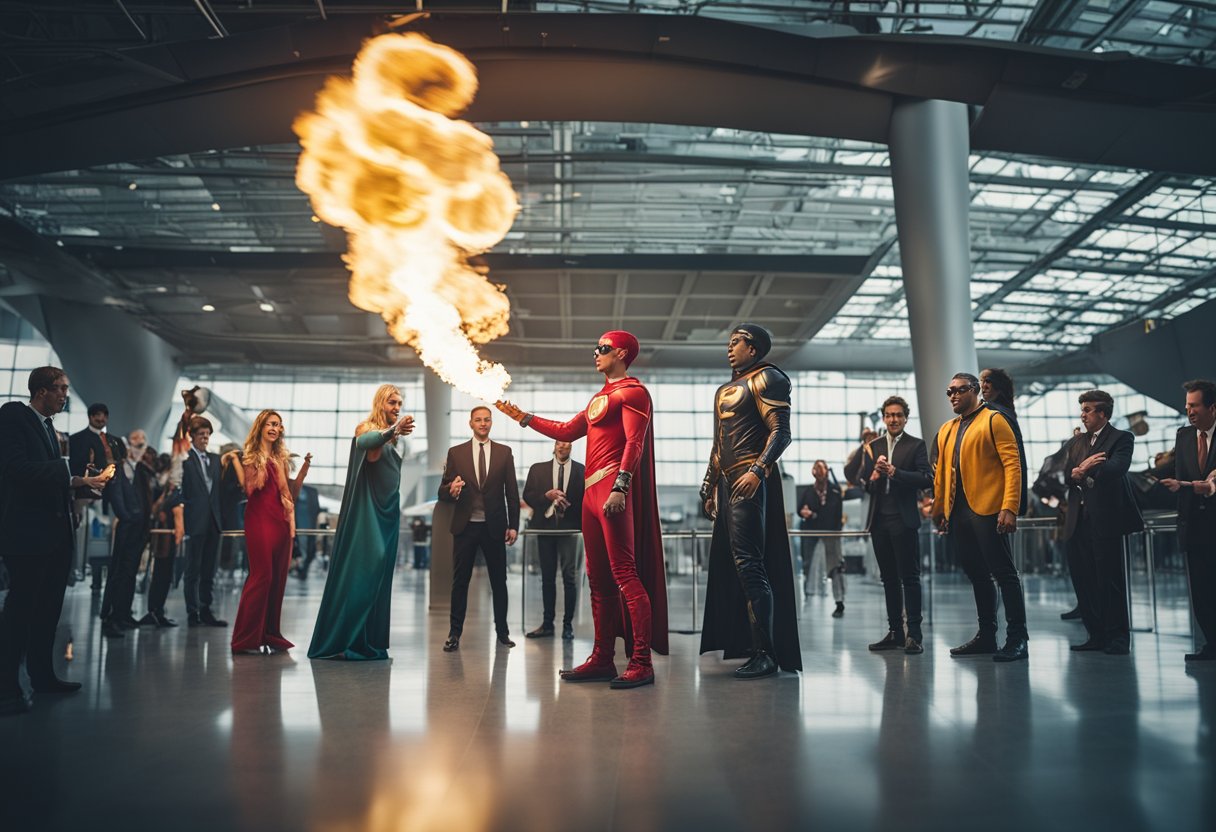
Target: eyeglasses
pixel 603 349
pixel 951 392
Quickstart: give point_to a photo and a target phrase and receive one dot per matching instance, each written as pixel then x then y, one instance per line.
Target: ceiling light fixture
pixel 208 307
pixel 215 206
pixel 266 306
pixel 132 186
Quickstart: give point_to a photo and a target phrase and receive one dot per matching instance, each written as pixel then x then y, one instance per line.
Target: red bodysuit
pixel 625 550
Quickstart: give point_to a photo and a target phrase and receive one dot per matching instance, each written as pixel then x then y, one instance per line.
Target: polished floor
pixel 171 732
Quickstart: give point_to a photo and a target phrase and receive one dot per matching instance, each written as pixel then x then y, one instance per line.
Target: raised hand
pixel 404 426
pixel 455 487
pixel 510 410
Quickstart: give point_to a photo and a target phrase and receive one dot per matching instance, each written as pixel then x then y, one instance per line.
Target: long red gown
pixel 268 545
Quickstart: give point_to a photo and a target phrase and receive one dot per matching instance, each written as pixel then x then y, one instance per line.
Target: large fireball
pixel 418 192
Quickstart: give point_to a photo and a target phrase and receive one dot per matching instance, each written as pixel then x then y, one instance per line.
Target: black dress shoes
pixel 1087 646
pixel 127 622
pixel 111 630
pixel 149 620
pixel 1072 615
pixel 163 620
pixel 891 641
pixel 543 631
pixel 913 647
pixel 982 645
pixel 757 667
pixel 210 620
pixel 1118 647
pixel 1207 654
pixel 55 685
pixel 568 632
pixel 839 611
pixel 12 704
pixel 193 620
pixel 505 640
pixel 1015 650
pixel 452 644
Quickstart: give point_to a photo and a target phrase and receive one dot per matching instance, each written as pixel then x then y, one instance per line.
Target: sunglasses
pixel 951 392
pixel 603 349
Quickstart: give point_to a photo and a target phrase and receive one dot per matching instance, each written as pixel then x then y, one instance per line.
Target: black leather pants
pixel 745 526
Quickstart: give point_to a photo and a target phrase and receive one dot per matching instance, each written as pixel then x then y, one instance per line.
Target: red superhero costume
pixel 624 550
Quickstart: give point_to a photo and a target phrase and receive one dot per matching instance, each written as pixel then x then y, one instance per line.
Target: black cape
pixel 726 627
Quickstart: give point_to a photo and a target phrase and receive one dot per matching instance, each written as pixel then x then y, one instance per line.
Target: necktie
pixel 1093 437
pixel 561 484
pixel 481 464
pixel 1203 450
pixel 105 448
pixel 51 435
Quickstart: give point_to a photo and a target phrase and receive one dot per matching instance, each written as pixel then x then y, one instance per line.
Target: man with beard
pixel 621 531
pixel 749 599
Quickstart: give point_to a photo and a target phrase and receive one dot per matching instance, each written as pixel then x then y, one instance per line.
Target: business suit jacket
pixel 1194 512
pixel 540 480
pixel 829 512
pixel 989 461
pixel 124 498
pixel 1106 491
pixel 912 474
pixel 500 491
pixel 84 441
pixel 202 505
pixel 35 498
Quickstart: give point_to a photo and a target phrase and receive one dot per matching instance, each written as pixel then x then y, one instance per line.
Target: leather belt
pixel 607 470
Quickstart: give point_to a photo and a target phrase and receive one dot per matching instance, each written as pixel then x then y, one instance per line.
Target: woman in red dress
pixel 269 528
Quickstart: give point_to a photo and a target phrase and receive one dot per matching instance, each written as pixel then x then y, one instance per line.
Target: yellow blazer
pixel 989 462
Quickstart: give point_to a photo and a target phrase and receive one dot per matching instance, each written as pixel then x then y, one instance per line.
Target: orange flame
pixel 418 192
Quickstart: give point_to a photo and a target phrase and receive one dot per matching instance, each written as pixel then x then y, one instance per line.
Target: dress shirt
pixel 557 466
pixel 489 448
pixel 204 463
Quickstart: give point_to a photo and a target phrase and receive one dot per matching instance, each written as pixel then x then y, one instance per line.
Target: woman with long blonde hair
pixel 353 621
pixel 264 469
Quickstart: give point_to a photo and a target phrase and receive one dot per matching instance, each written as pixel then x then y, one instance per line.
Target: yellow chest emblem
pixel 729 398
pixel 597 408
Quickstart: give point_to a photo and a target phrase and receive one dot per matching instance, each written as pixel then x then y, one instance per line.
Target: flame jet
pixel 418 192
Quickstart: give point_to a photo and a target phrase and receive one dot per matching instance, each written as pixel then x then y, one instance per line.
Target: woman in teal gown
pixel 353 621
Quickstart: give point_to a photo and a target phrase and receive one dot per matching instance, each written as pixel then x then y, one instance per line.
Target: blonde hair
pixel 253 456
pixel 375 420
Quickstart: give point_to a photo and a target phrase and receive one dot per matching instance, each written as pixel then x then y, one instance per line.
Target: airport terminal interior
pixel 202 218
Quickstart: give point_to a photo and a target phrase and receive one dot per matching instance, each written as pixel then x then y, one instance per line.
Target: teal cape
pixel 353 621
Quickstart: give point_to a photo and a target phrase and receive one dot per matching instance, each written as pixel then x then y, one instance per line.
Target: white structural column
pixel 438 438
pixel 929 147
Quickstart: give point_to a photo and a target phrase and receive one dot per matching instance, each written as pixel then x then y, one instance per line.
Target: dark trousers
pixel 986 555
pixel 554 552
pixel 201 551
pixel 465 546
pixel 1100 580
pixel 162 577
pixel 745 526
pixel 129 541
pixel 897 550
pixel 31 615
pixel 1201 567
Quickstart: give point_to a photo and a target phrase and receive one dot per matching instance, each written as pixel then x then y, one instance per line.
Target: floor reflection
pixel 173 732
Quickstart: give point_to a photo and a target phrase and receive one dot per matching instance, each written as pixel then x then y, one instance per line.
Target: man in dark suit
pixel 35 537
pixel 822 510
pixel 554 491
pixel 479 477
pixel 1101 510
pixel 93 445
pixel 201 495
pixel 90 450
pixel 131 513
pixel 894 467
pixel 1190 475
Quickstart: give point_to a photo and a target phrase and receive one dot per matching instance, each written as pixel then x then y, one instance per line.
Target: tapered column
pixel 438 439
pixel 929 146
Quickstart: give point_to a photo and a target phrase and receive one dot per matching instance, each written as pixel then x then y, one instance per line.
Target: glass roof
pixel 1060 252
pixel 1175 32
